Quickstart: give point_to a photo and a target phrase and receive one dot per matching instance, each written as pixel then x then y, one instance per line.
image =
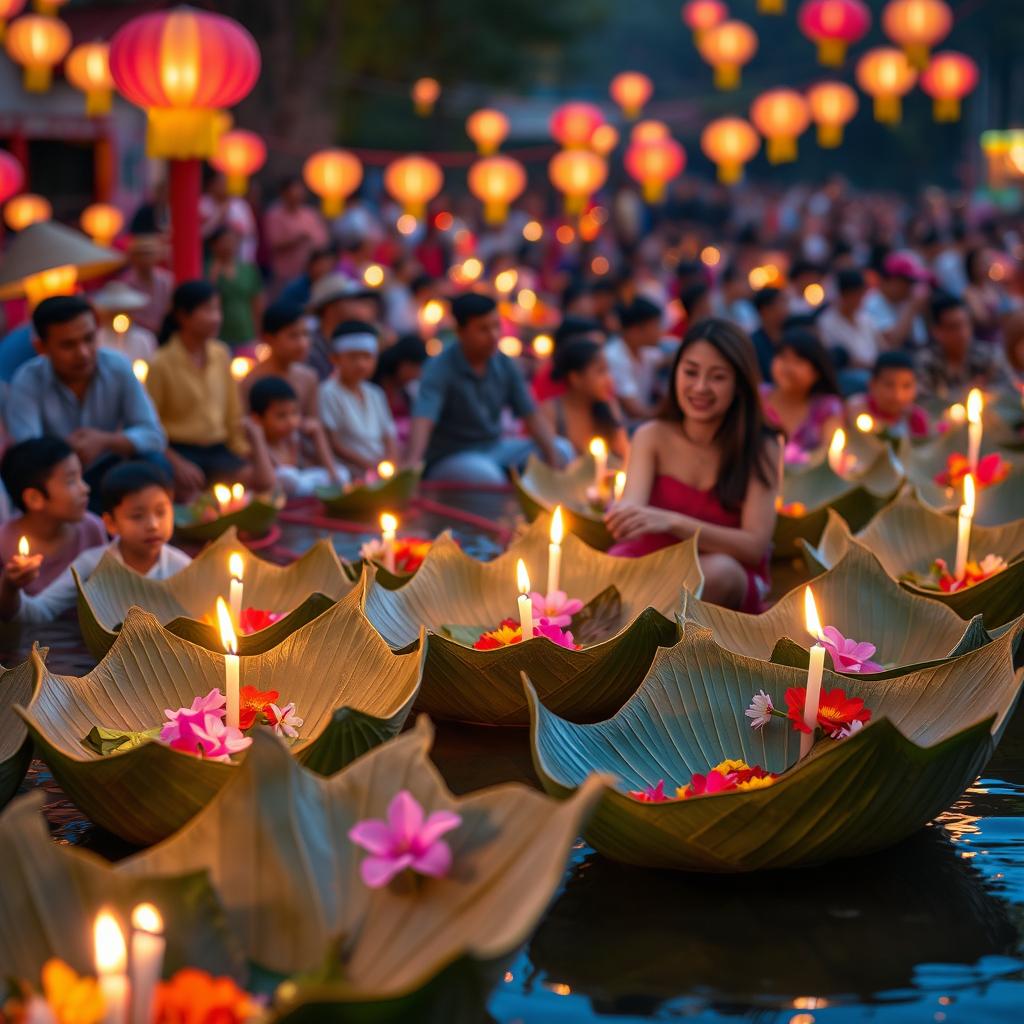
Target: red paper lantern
pixel 833 105
pixel 654 165
pixel 12 176
pixel 238 156
pixel 413 181
pixel 949 77
pixel 649 131
pixel 886 75
pixel 573 124
pixel 917 26
pixel 700 15
pixel 631 90
pixel 730 143
pixel 425 93
pixel 834 25
pixel 577 174
pixel 727 48
pixel 333 175
pixel 497 181
pixel 781 116
pixel 38 44
pixel 488 129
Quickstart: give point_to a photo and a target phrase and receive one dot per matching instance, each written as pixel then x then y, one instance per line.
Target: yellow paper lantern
pixel 700 15
pixel 833 105
pixel 413 181
pixel 333 175
pixel 497 181
pixel 573 124
pixel 8 10
pixel 102 222
pixel 730 143
pixel 781 116
pixel 28 208
pixel 727 48
pixel 577 174
pixel 238 156
pixel 917 26
pixel 949 77
pixel 488 129
pixel 631 90
pixel 604 139
pixel 654 165
pixel 88 70
pixel 425 94
pixel 38 44
pixel 886 75
pixel 649 131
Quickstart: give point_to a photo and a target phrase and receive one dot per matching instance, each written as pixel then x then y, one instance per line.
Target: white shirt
pixel 634 376
pixel 62 594
pixel 360 424
pixel 884 316
pixel 135 343
pixel 859 340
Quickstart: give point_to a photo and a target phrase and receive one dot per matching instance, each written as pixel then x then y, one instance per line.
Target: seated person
pixel 117 331
pixel 286 335
pixel 890 398
pixel 43 477
pixel 587 408
pixel 292 450
pixel 456 425
pixel 399 368
pixel 635 357
pixel 355 413
pixel 706 463
pixel 846 328
pixel 772 307
pixel 138 514
pixel 572 328
pixel 802 400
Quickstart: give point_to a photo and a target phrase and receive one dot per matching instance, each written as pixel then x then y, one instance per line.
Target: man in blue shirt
pixel 456 417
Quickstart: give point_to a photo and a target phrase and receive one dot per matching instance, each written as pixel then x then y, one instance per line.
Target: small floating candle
pixel 814 672
pixel 555 550
pixel 111 960
pixel 229 639
pixel 525 601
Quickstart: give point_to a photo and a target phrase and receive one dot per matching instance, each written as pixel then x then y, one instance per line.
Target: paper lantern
pixel 488 129
pixel 413 181
pixel 700 15
pixel 425 93
pixel 333 175
pixel 917 25
pixel 577 174
pixel 102 222
pixel 833 105
pixel 727 47
pixel 631 90
pixel 49 7
pixel 886 75
pixel 238 156
pixel 604 139
pixel 497 181
pixel 573 124
pixel 26 209
pixel 9 9
pixel 781 116
pixel 730 143
pixel 183 66
pixel 834 25
pixel 88 70
pixel 771 6
pixel 654 165
pixel 38 44
pixel 649 131
pixel 12 176
pixel 949 77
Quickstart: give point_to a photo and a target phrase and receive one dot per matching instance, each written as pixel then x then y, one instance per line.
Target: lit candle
pixel 230 642
pixel 599 450
pixel 865 423
pixel 23 550
pixel 223 496
pixel 620 485
pixel 555 550
pixel 148 945
pixel 975 404
pixel 111 960
pixel 963 529
pixel 141 370
pixel 388 526
pixel 237 495
pixel 525 601
pixel 814 670
pixel 836 453
pixel 236 568
pixel 385 470
pixel 956 413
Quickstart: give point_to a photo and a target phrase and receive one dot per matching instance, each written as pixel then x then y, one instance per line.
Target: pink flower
pixel 557 607
pixel 563 638
pixel 849 655
pixel 212 704
pixel 284 720
pixel 405 840
pixel 714 782
pixel 650 794
pixel 794 455
pixel 206 735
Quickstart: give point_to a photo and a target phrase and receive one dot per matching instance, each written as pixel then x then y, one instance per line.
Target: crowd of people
pixel 706 342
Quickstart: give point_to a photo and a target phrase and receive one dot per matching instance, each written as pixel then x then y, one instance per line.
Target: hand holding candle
pixel 975 406
pixel 148 946
pixel 230 641
pixel 599 451
pixel 525 601
pixel 814 671
pixel 963 529
pixel 111 960
pixel 236 568
pixel 555 550
pixel 388 529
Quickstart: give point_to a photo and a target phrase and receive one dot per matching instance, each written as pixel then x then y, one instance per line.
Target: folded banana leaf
pixel 255 519
pixel 371 499
pixel 17 686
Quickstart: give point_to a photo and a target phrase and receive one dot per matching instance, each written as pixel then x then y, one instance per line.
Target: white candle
pixel 23 551
pixel 388 526
pixel 237 496
pixel 963 529
pixel 975 404
pixel 619 486
pixel 148 945
pixel 230 642
pixel 555 550
pixel 525 601
pixel 223 495
pixel 599 450
pixel 236 568
pixel 836 453
pixel 111 960
pixel 814 671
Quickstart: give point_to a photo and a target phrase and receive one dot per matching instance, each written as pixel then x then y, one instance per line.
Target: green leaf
pixel 106 741
pixel 17 686
pixel 255 519
pixel 367 500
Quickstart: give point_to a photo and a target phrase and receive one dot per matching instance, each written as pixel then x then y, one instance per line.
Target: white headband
pixel 355 343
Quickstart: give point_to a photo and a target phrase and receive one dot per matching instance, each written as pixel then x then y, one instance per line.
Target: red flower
pixel 252 703
pixel 836 711
pixel 252 620
pixel 409 553
pixel 992 469
pixel 509 632
pixel 706 785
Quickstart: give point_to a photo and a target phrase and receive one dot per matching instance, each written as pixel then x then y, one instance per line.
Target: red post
pixel 185 188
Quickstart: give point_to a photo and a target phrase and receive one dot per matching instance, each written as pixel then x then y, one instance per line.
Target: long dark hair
pixel 187 298
pixel 574 356
pixel 805 345
pixel 741 437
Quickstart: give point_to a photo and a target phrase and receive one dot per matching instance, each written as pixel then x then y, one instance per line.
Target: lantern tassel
pixel 946 110
pixel 495 213
pixel 98 102
pixel 830 136
pixel 771 6
pixel 332 206
pixel 238 184
pixel 888 109
pixel 37 79
pixel 729 173
pixel 727 76
pixel 781 149
pixel 918 55
pixel 831 52
pixel 654 192
pixel 178 134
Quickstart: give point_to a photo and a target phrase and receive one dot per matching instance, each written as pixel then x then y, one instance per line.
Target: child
pixel 891 396
pixel 294 450
pixel 43 477
pixel 286 336
pixel 355 412
pixel 137 512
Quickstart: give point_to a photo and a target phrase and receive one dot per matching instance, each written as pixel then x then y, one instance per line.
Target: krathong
pixel 214 512
pixel 18 687
pixel 940 578
pixel 374 495
pixel 408 553
pixel 992 469
pixel 510 632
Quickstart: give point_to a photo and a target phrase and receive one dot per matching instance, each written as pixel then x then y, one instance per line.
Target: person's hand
pixel 555 459
pixel 22 570
pixel 89 444
pixel 625 521
pixel 188 477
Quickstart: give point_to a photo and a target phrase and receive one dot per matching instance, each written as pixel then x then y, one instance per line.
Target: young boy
pixel 891 397
pixel 355 412
pixel 295 450
pixel 43 477
pixel 137 511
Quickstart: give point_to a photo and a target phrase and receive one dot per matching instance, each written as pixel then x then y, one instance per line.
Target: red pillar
pixel 185 189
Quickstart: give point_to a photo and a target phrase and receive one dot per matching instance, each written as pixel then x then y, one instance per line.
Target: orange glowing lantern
pixel 886 75
pixel 333 175
pixel 26 209
pixel 727 47
pixel 949 77
pixel 781 116
pixel 88 70
pixel 38 44
pixel 488 129
pixel 102 222
pixel 771 6
pixel 649 131
pixel 654 165
pixel 12 176
pixel 573 124
pixel 239 155
pixel 9 9
pixel 604 139
pixel 49 7
pixel 700 15
pixel 497 181
pixel 834 25
pixel 730 143
pixel 413 181
pixel 833 105
pixel 631 90
pixel 577 174
pixel 917 25
pixel 425 93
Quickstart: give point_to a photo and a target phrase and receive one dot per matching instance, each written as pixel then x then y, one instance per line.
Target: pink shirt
pixel 301 231
pixel 88 533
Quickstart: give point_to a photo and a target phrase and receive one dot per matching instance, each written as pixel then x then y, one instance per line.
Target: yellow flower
pixel 73 999
pixel 731 765
pixel 756 783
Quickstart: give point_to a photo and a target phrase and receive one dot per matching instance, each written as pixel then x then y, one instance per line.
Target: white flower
pixel 760 710
pixel 286 723
pixel 846 731
pixel 372 550
pixel 991 564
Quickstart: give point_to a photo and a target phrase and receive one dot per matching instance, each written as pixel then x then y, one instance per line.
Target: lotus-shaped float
pixel 349 688
pixel 184 603
pixel 202 521
pixel 17 686
pixel 369 499
pixel 931 732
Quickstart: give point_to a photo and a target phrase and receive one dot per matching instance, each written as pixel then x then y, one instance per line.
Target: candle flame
pixel 811 614
pixel 241 367
pixel 969 494
pixel 222 494
pixel 975 403
pixel 957 413
pixel 141 370
pixel 23 548
pixel 557 526
pixel 109 949
pixel 146 918
pixel 237 492
pixel 235 565
pixel 620 484
pixel 388 522
pixel 385 470
pixel 598 448
pixel 522 577
pixel 227 627
pixel 865 423
pixel 838 442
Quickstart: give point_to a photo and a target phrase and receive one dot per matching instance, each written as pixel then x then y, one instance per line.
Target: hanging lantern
pixel 333 175
pixel 12 176
pixel 631 90
pixel 577 174
pixel 497 181
pixel 654 165
pixel 573 124
pixel 26 209
pixel 833 105
pixel 49 7
pixel 781 116
pixel 238 156
pixel 730 143
pixel 700 15
pixel 917 26
pixel 413 181
pixel 727 47
pixel 771 6
pixel 38 44
pixel 9 9
pixel 102 222
pixel 425 93
pixel 834 25
pixel 886 75
pixel 604 139
pixel 88 70
pixel 488 129
pixel 649 131
pixel 949 77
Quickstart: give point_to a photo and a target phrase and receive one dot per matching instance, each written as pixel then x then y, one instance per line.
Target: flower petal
pixel 434 861
pixel 378 871
pixel 372 835
pixel 437 825
pixel 405 817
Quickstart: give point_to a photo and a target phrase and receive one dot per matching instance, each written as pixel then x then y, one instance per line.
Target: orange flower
pixel 508 633
pixel 195 997
pixel 992 469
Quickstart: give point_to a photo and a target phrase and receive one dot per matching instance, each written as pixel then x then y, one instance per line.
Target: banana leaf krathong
pixel 363 500
pixel 17 686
